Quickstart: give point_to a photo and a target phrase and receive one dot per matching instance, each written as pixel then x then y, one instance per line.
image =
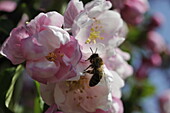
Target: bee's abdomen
pixel 95 79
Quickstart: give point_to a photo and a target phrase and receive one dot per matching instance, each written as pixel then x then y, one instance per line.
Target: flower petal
pixel 47 91
pixel 73 9
pixel 12 46
pixel 42 70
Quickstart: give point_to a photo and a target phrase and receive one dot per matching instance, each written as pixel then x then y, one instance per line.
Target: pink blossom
pixel 7 5
pixel 156 59
pixel 30 42
pixel 94 24
pixel 164 101
pixel 75 96
pixel 56 66
pixel 73 9
pixel 133 11
pixel 155 42
pixel 156 20
pixel 118 63
pixel 47 49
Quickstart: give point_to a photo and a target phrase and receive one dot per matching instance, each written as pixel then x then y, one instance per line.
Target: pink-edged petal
pixel 109 28
pixel 73 9
pixel 115 82
pixel 65 72
pixel 43 20
pixel 56 18
pixel 8 5
pixel 42 70
pixel 84 27
pixel 96 7
pixel 47 91
pixel 12 46
pixel 54 36
pixel 43 43
pixel 58 92
pixel 32 49
pixel 118 105
pixel 72 52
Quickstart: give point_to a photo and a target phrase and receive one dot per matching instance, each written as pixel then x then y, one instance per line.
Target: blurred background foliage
pixel 20 94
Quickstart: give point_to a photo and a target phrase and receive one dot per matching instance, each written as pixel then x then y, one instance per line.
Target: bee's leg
pixel 88 67
pixel 89 71
pixel 87 59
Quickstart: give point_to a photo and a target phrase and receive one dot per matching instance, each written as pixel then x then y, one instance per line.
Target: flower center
pixel 53 56
pixel 79 85
pixel 79 90
pixel 95 32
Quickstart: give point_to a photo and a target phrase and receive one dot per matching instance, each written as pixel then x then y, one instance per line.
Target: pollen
pixel 53 56
pixel 77 86
pixel 95 32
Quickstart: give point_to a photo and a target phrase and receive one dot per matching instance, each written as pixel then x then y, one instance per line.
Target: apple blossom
pixel 57 65
pixel 118 63
pixel 34 35
pixel 58 60
pixel 48 50
pixel 75 96
pixel 96 24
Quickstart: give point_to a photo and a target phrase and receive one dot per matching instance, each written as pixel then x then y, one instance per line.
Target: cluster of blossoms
pixel 154 45
pixel 55 49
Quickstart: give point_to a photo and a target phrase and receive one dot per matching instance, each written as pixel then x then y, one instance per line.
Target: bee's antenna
pixel 96 50
pixel 91 50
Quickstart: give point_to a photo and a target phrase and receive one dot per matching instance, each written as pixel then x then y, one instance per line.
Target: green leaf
pixel 148 89
pixel 5 81
pixel 9 94
pixel 38 102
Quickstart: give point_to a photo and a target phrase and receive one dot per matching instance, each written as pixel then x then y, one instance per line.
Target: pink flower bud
pixel 155 42
pixel 156 20
pixel 156 59
pixel 133 11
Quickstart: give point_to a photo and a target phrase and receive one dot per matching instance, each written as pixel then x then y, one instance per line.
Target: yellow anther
pixel 94 41
pixel 53 56
pixel 102 38
pixel 95 33
pixel 87 41
pixel 61 55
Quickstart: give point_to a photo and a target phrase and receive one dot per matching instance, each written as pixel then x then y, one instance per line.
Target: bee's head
pixel 92 57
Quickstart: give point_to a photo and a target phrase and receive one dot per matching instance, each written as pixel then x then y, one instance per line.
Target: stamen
pixel 77 86
pixel 53 56
pixel 95 32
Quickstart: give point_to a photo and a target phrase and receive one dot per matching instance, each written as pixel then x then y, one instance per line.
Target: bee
pixel 97 70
